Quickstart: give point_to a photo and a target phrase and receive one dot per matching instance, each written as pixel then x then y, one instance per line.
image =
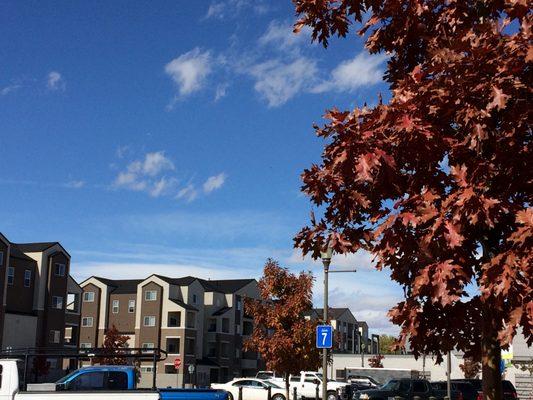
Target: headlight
pixel 363 396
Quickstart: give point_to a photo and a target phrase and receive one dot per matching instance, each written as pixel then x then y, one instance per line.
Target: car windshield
pixel 67 377
pixel 391 385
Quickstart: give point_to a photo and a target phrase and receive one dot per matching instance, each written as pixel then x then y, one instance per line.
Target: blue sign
pixel 324 337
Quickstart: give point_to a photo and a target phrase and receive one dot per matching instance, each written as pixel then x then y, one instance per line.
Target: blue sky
pixel 169 137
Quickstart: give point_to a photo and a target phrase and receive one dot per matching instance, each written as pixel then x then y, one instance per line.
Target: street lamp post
pixel 326 261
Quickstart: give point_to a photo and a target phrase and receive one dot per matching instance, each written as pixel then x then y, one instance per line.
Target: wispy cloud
pixel 146 175
pixel 214 182
pixel 278 81
pixel 362 70
pixel 190 70
pixel 75 184
pixel 221 91
pixel 9 89
pixel 222 9
pixel 55 81
pixel 280 35
pixel 188 193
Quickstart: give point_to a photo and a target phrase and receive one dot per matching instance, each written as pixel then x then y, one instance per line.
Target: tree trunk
pixel 287 387
pixel 490 361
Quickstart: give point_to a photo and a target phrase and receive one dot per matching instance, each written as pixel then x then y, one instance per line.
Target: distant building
pixel 199 321
pixel 41 299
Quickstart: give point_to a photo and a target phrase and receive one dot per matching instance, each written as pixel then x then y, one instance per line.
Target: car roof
pixel 107 368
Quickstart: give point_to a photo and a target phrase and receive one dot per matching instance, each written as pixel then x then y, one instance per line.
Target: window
pixel 212 327
pixel 224 349
pixel 174 319
pixel 238 329
pixel 147 346
pixel 194 299
pixel 237 353
pixel 147 369
pixel 191 320
pixel 59 270
pixel 87 322
pixel 88 297
pixel 85 345
pixel 1 258
pixel 190 346
pixel 239 303
pixel 117 380
pixel 57 302
pixel 150 295
pixel 88 381
pixel 131 306
pixel 211 349
pixel 225 325
pixel 55 336
pixel 116 304
pixel 27 278
pixel 419 386
pixel 10 275
pixel 149 320
pixel 173 345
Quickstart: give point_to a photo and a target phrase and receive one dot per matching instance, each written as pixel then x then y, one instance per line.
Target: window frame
pixel 149 316
pixel 1 258
pixel 56 335
pixel 86 345
pixel 62 271
pixel 146 292
pixel 11 274
pixel 27 278
pixel 85 300
pixel 56 302
pixel 131 309
pixel 87 325
pixel 115 304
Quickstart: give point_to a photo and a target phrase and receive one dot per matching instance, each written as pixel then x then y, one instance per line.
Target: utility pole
pixel 448 373
pixel 326 261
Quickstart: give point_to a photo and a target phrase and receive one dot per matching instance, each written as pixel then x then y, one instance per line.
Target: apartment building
pixel 36 287
pixel 351 336
pixel 201 322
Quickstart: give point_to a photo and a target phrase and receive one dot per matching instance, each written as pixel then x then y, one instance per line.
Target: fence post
pixel 269 397
pixel 317 392
pixel 294 394
pixel 240 393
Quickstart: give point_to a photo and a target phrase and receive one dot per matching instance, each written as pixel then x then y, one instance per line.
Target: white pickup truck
pixel 10 390
pixel 306 385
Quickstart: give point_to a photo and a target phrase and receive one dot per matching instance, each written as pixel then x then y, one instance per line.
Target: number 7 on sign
pixel 324 336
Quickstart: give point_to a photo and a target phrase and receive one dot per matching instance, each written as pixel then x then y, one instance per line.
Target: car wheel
pixel 331 396
pixel 230 396
pixel 278 397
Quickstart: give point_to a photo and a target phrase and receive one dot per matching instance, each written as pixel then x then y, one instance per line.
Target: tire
pixel 331 396
pixel 230 396
pixel 278 397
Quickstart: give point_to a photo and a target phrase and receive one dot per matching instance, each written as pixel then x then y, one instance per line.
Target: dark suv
pixel 466 388
pixel 508 389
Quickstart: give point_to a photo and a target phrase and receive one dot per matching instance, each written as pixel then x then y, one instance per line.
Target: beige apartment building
pixel 201 322
pixel 40 305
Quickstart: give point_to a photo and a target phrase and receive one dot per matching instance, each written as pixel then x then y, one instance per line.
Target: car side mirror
pixel 316 381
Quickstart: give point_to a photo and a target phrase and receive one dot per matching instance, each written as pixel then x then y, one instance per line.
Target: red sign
pixel 177 363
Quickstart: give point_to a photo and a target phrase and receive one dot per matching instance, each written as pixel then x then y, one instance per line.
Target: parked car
pixel 362 382
pixel 98 388
pixel 405 388
pixel 252 389
pixel 508 389
pixel 466 388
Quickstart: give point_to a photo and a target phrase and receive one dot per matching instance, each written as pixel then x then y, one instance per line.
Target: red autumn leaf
pixel 453 236
pixel 499 99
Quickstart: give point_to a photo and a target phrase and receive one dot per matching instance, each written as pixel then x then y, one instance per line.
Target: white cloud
pixel 214 182
pixel 10 88
pixel 231 8
pixel 144 175
pixel 188 193
pixel 55 81
pixel 190 70
pixel 221 91
pixel 278 82
pixel 280 34
pixel 362 70
pixel 75 184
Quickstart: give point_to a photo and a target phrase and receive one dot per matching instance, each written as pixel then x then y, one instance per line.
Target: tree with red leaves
pixel 114 344
pixel 282 335
pixel 375 362
pixel 437 182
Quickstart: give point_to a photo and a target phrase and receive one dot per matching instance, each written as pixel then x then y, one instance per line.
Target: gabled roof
pixel 222 310
pixel 35 247
pixel 183 304
pixel 226 285
pixel 16 253
pixel 185 281
pixel 121 286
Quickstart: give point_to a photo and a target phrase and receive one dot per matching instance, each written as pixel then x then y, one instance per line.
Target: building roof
pixel 225 285
pixel 333 313
pixel 183 304
pixel 121 286
pixel 16 253
pixel 35 247
pixel 222 310
pixel 185 281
